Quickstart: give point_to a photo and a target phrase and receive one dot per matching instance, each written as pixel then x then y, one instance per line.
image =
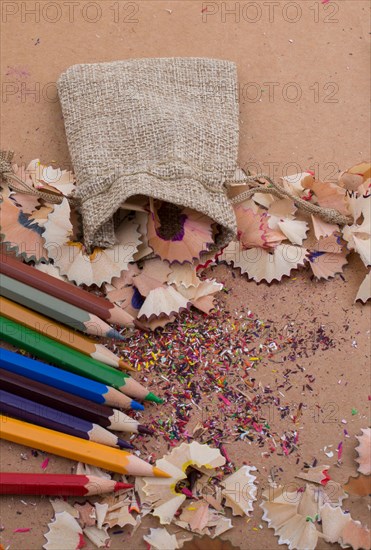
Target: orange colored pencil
pixel 60 333
pixel 68 446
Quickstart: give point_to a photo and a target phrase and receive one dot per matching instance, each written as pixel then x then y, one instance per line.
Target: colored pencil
pixel 105 416
pixel 54 308
pixel 68 446
pixel 72 360
pixel 29 411
pixel 70 294
pixel 59 332
pixel 17 483
pixel 65 381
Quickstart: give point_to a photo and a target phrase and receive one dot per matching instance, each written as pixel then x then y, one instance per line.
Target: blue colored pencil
pixel 29 411
pixel 66 381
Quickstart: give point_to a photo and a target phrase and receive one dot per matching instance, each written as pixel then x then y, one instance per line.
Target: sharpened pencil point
pixel 136 406
pixel 124 444
pixel 120 317
pixel 120 486
pixel 145 430
pixel 114 334
pixel 160 473
pixel 152 397
pixel 125 366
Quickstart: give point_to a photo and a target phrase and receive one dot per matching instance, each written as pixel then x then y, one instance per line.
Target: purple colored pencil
pixel 30 411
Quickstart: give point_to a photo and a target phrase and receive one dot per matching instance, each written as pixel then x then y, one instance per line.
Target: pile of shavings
pixel 154 270
pixel 221 357
pixel 194 500
pixel 275 237
pixel 199 501
pixel 76 522
pixel 301 516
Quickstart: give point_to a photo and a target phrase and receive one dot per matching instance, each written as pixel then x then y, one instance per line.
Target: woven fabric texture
pixel 165 128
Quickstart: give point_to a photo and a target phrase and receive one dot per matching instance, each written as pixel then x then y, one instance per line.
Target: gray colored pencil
pixel 54 308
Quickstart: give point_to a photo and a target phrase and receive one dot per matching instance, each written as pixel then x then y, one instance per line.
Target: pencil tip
pixel 120 486
pixel 159 473
pixel 152 397
pixel 120 317
pixel 126 366
pixel 136 406
pixel 114 334
pixel 145 430
pixel 124 444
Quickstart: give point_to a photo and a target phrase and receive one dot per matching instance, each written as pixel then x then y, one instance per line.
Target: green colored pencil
pixel 56 309
pixel 72 360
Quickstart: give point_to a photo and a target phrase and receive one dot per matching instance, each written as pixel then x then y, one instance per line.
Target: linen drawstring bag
pixel 165 128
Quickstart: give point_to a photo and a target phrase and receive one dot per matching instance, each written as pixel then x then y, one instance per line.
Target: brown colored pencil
pixel 71 294
pixel 105 416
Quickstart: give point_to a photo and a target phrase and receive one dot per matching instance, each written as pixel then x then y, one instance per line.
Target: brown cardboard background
pixel 311 132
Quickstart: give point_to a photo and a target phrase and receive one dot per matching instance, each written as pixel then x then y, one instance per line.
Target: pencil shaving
pixel 364 291
pixel 287 512
pixel 251 227
pixel 153 275
pixel 318 474
pixel 98 536
pixel 356 535
pixel 100 513
pixel 73 261
pixel 87 516
pixel 162 301
pixel 190 236
pixel 358 235
pixel 295 183
pixel 261 265
pixel 161 539
pixel 59 505
pixel 64 532
pixel 161 493
pixel 360 485
pixel 240 491
pixel 183 274
pixel 364 452
pixel 355 178
pixel 126 277
pixel 328 195
pixel 322 228
pixel 327 257
pixel 42 175
pixel 20 234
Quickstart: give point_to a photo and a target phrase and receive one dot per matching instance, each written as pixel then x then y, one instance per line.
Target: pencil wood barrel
pixel 29 411
pixel 61 333
pixel 61 311
pixel 43 439
pixel 72 360
pixel 105 416
pixel 69 293
pixel 17 483
pixel 66 381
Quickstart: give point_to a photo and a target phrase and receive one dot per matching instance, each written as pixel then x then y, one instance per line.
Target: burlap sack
pixel 165 128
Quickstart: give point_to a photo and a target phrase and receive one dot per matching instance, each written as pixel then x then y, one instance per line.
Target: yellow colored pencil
pixel 71 447
pixel 60 333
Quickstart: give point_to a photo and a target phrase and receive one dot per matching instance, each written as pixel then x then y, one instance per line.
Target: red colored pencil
pixel 14 483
